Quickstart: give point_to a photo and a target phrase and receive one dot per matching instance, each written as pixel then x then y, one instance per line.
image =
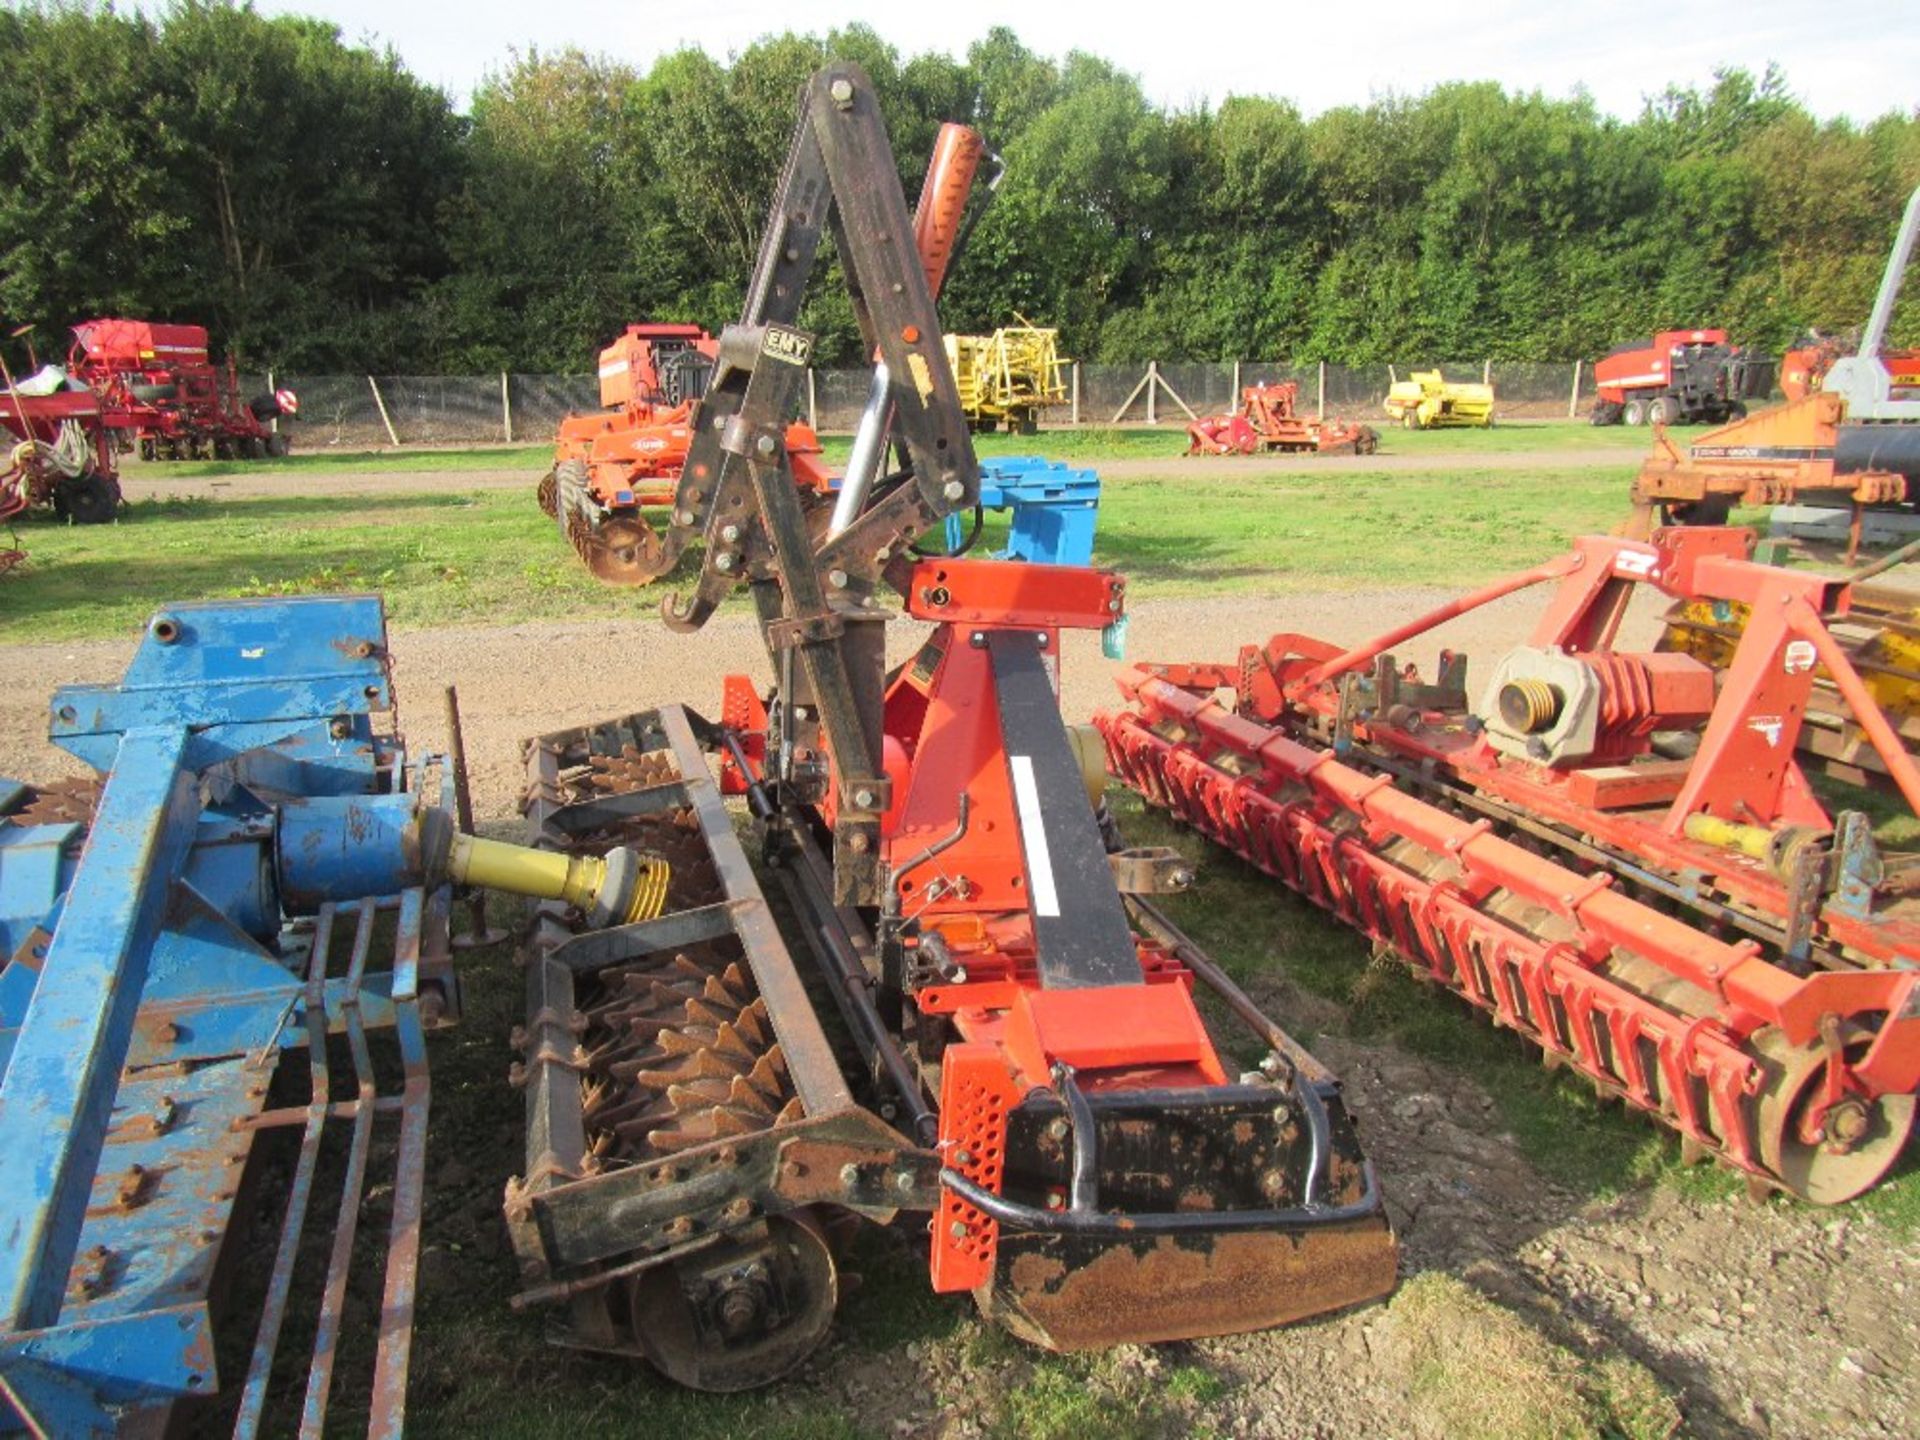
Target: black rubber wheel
pixel 1663 410
pixel 92 499
pixel 1634 412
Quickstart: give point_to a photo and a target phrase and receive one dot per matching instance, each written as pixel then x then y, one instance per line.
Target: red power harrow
pixel 1023 1060
pixel 1619 859
pixel 1266 421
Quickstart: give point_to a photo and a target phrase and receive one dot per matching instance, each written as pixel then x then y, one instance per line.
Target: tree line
pixel 319 207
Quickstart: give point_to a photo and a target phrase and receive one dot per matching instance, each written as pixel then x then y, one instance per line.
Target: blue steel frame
pixel 1055 509
pixel 135 1078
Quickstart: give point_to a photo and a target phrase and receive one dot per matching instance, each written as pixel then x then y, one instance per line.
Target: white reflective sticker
pixel 1800 657
pixel 1033 837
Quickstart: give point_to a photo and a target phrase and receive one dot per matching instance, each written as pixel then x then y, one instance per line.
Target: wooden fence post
pixel 1153 383
pixel 385 419
pixel 1320 405
pixel 506 408
pixel 1573 401
pixel 813 404
pixel 1076 393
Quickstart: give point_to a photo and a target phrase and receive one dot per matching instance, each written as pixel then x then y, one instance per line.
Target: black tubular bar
pixel 1098 1225
pixel 1084 1191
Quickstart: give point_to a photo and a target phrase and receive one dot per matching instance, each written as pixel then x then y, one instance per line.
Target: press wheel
pixel 740 1313
pixel 1868 1135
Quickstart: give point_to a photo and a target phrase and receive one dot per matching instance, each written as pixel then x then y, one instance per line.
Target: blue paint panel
pixel 163 1245
pixel 35 865
pixel 131 1062
pixel 162 1352
pixel 59 1085
pixel 1054 509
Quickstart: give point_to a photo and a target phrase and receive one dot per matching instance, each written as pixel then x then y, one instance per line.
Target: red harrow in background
pixel 160 390
pixel 1266 422
pixel 1618 858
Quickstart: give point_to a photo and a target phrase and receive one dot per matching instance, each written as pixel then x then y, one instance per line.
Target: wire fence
pixel 357 411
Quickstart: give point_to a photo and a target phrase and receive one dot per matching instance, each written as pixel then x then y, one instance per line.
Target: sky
pixel 1859 58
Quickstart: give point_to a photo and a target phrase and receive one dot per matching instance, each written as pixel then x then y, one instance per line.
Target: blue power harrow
pixel 229 966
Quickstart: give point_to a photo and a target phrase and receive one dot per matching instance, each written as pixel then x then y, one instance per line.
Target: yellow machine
pixel 1881 636
pixel 1007 377
pixel 1426 400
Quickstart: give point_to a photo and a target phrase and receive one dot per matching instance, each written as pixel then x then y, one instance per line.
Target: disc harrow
pixel 1694 936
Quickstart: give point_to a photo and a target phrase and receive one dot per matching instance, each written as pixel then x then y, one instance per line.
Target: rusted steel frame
pixel 1436 924
pixel 556 1132
pixel 849 1158
pixel 387 1413
pixel 326 1342
pixel 1453 609
pixel 810 1059
pixel 253 1396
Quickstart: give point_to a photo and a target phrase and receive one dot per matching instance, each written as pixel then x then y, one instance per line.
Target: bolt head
pixel 953 490
pixel 723 563
pixel 837 579
pixel 958 1229
pixel 1057 1130
pixel 849 1175
pixel 863 798
pixel 730 533
pixel 841 90
pixel 764 445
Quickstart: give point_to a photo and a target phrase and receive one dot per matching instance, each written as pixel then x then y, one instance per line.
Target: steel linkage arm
pixel 814 594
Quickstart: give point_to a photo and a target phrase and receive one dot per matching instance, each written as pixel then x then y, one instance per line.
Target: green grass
pixel 1479 1372
pixel 491 557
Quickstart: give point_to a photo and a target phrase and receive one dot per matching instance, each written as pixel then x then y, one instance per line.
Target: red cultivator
pixel 1615 860
pixel 1266 422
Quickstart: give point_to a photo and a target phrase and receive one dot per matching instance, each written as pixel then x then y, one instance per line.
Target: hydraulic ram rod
pixel 936 229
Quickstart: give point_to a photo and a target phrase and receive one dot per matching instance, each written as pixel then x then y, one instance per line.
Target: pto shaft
pixel 620 889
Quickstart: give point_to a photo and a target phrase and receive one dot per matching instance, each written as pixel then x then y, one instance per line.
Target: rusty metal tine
pixel 387 1416
pixel 253 1398
pixel 326 1338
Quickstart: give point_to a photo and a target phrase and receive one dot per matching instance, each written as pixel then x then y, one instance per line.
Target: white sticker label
pixel 254 654
pixel 1033 837
pixel 1767 726
pixel 1799 657
pixel 1638 563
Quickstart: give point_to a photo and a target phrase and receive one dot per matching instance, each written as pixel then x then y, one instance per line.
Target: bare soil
pixel 1765 1320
